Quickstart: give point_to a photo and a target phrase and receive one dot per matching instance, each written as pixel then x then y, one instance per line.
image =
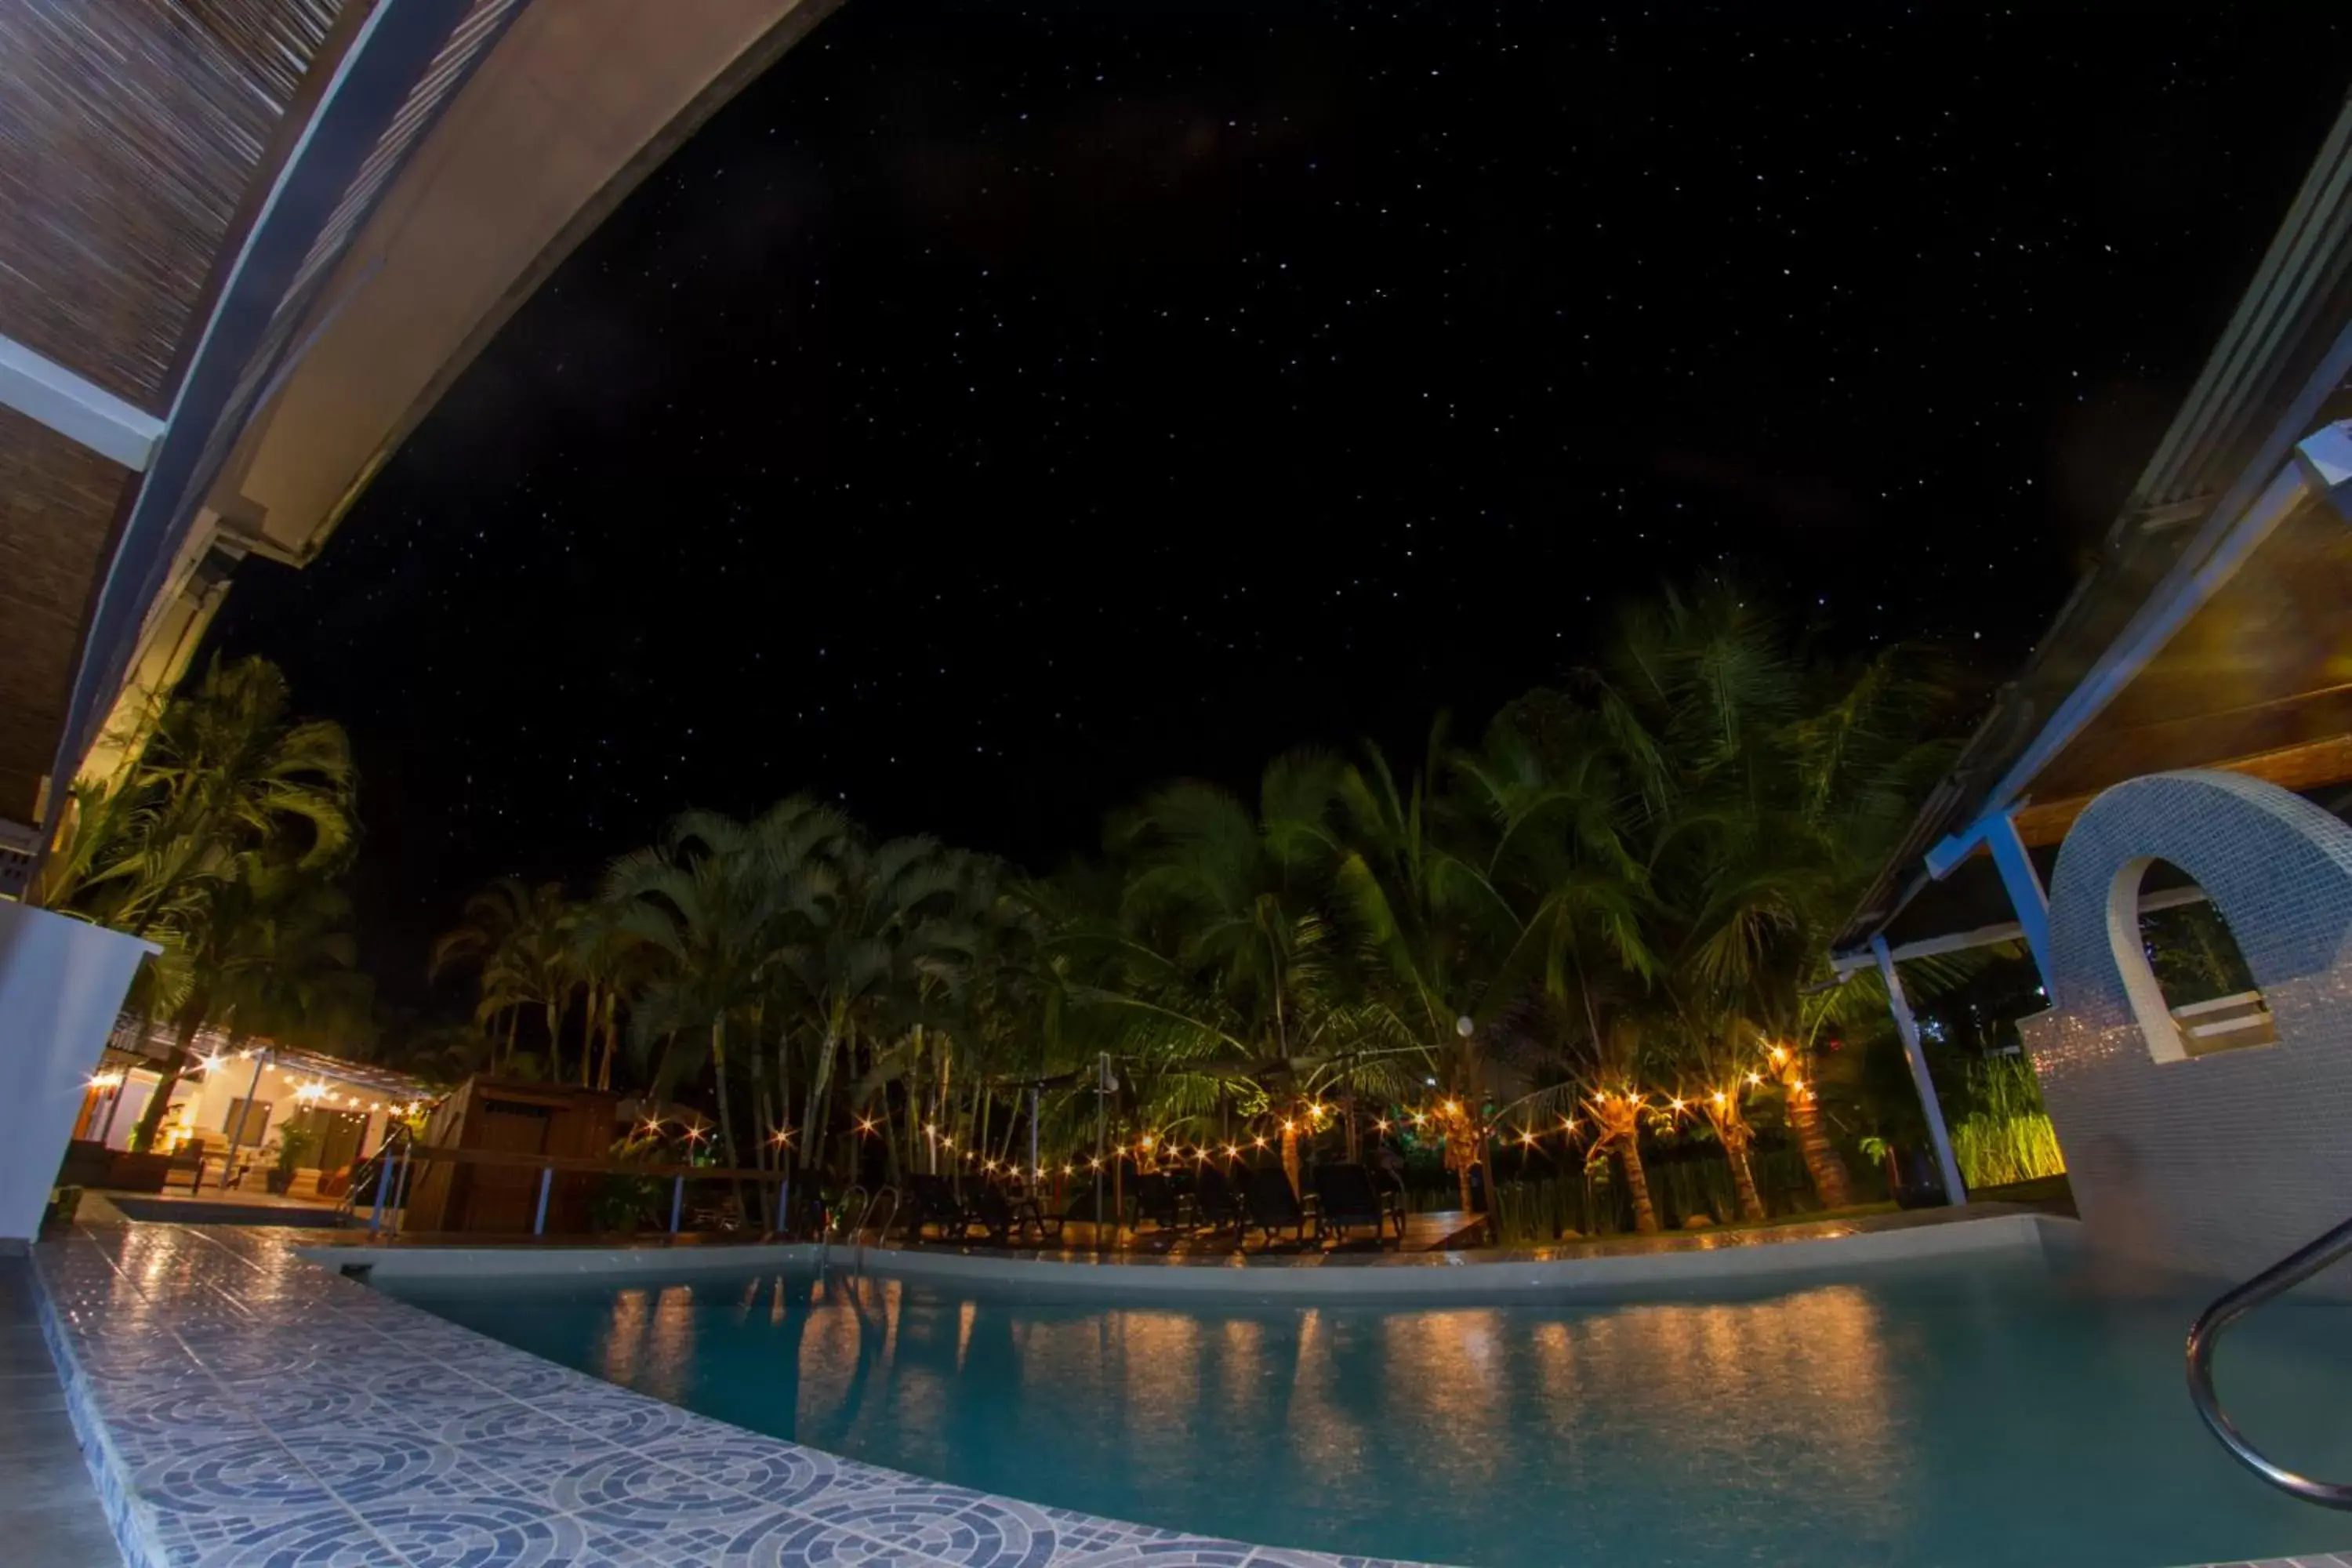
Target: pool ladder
pixel 853 1231
pixel 2206 1333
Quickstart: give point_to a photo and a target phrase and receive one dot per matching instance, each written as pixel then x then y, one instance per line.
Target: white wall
pixel 209 1093
pixel 2220 1164
pixel 61 986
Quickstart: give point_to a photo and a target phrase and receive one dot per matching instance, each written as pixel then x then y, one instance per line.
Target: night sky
pixel 998 409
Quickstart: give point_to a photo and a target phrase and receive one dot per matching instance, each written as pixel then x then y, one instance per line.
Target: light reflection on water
pixel 1978 1415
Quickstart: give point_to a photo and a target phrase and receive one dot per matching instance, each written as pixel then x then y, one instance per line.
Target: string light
pixel 866 1124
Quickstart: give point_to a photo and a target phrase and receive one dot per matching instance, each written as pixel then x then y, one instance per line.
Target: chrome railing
pixel 854 1216
pixel 2206 1333
pixel 837 1221
pixel 379 1178
pixel 881 1226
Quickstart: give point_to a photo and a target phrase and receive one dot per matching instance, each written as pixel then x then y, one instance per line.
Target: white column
pixel 1908 1028
pixel 61 987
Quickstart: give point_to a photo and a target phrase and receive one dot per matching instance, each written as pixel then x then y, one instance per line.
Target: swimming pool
pixel 1987 1411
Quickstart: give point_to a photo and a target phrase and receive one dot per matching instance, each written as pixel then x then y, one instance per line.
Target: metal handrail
pixel 881 1230
pixel 377 1167
pixel 825 1236
pixel 2206 1333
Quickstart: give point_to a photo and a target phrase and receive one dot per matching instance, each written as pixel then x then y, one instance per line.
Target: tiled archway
pixel 2216 1164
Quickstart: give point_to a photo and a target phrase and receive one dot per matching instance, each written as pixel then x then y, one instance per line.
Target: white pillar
pixel 1908 1028
pixel 62 982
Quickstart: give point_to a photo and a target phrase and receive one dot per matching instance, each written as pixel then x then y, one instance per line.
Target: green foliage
pixel 227 774
pixel 1538 1211
pixel 2193 954
pixel 1624 884
pixel 296 1143
pixel 221 843
pixel 2006 1136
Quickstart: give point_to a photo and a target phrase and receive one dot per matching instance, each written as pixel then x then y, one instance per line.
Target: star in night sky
pixel 998 409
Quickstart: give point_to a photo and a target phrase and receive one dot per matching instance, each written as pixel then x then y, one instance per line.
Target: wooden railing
pixel 393 1186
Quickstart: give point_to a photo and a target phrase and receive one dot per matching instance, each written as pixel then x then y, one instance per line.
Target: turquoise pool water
pixel 1966 1414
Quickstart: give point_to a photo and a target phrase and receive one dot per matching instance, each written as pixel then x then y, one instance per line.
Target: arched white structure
pixel 2218 1163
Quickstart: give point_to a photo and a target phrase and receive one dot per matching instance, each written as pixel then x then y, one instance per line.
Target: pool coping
pixel 238 1404
pixel 1410 1277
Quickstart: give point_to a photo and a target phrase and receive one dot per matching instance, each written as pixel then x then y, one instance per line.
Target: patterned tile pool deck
pixel 242 1406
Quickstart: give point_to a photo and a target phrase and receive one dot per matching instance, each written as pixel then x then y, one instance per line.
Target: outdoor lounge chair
pixel 1274 1207
pixel 1157 1200
pixel 1346 1200
pixel 935 1203
pixel 1217 1204
pixel 1003 1215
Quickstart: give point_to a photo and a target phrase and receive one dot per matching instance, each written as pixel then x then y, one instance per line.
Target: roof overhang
pixel 2210 633
pixel 211 356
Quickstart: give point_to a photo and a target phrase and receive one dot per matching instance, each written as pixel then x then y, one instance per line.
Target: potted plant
pixel 293 1144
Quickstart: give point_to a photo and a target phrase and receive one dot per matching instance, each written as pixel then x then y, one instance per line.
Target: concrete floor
pixel 50 1508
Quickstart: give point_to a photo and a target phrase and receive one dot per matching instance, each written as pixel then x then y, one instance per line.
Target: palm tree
pixel 612 964
pixel 228 771
pixel 1718 1074
pixel 1221 948
pixel 491 918
pixel 1446 954
pixel 518 940
pixel 870 927
pixel 534 966
pixel 1773 785
pixel 271 947
pixel 713 898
